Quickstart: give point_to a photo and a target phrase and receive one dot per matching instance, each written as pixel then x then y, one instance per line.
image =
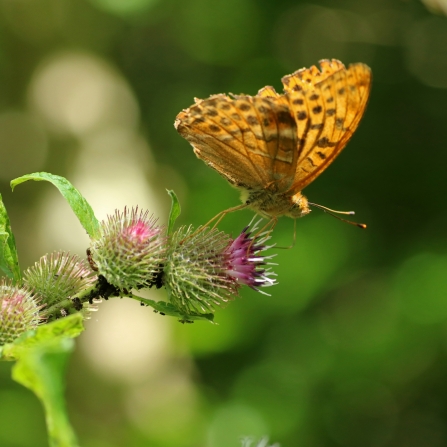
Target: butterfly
pixel 271 145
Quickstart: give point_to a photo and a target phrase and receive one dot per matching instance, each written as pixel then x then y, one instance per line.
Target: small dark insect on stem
pixel 91 261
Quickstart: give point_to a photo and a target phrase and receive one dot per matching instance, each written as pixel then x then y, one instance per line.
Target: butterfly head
pixel 299 206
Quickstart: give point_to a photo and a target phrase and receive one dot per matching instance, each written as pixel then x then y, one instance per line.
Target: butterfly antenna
pixel 334 213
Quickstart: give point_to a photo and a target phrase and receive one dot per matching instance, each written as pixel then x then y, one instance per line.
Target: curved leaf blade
pixel 175 211
pixel 41 369
pixel 68 327
pixel 41 357
pixel 77 202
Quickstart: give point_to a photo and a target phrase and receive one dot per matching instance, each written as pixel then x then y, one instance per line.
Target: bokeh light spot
pixel 78 93
pixel 232 422
pixel 123 7
pixel 122 345
pixel 166 407
pixel 436 6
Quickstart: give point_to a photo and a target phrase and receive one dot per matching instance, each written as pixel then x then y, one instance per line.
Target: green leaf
pixel 41 369
pixel 68 327
pixel 77 202
pixel 42 356
pixel 175 211
pixel 9 261
pixel 168 309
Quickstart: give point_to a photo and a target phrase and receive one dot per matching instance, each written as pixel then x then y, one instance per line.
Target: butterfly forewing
pixel 330 105
pixel 315 106
pixel 359 86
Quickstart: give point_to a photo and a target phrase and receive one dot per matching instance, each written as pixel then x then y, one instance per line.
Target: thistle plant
pixel 40 311
pixel 202 269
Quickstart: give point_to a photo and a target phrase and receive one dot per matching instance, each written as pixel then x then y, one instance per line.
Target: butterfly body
pixel 270 205
pixel 271 146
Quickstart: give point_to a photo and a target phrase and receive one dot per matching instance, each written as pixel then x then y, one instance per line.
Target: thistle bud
pixel 19 311
pixel 56 278
pixel 206 268
pixel 131 251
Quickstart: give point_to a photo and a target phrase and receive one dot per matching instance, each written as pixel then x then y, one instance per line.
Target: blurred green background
pixel 351 348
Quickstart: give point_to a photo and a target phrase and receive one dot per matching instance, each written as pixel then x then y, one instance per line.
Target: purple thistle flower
pixel 244 262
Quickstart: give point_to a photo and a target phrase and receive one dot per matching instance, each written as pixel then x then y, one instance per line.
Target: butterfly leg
pixel 269 226
pixel 294 238
pixel 218 217
pixel 222 214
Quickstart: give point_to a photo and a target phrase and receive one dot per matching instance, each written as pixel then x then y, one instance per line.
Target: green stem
pixel 164 308
pixel 54 311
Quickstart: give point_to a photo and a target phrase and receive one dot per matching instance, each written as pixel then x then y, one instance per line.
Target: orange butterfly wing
pixel 328 106
pixel 249 140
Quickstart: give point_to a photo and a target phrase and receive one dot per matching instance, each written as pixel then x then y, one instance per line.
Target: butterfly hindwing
pixel 214 128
